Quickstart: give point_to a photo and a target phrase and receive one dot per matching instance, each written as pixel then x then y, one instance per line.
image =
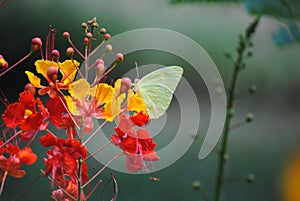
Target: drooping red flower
pixel 137 145
pixel 63 157
pixel 11 162
pixel 60 117
pixel 28 114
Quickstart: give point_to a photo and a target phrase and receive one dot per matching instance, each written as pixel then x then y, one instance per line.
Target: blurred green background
pixel 261 148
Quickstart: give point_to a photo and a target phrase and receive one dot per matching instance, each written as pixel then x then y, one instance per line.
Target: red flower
pixel 71 188
pixel 63 157
pixel 137 145
pixel 140 119
pixel 16 158
pixel 60 117
pixel 24 114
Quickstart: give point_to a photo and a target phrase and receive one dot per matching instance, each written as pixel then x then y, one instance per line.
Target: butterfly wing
pixel 157 89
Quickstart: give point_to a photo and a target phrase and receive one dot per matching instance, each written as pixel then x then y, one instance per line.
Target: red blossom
pixel 140 119
pixel 63 157
pixel 28 113
pixel 14 158
pixel 137 145
pixel 60 117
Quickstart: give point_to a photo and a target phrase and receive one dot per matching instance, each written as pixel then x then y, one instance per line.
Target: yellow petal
pixel 34 80
pixel 71 105
pixel 113 108
pixel 135 102
pixel 102 92
pixel 43 65
pixel 68 69
pixel 79 89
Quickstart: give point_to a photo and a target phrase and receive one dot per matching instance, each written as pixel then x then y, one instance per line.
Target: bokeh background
pixel 262 148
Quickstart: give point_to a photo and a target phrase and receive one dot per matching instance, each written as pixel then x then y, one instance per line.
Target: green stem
pixel 79 178
pixel 244 43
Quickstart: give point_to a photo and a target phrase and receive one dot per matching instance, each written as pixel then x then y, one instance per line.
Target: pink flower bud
pixel 100 68
pixel 30 87
pixel 125 84
pixel 107 36
pixel 86 41
pixel 3 63
pixel 66 34
pixel 119 57
pixel 36 44
pixel 108 48
pixel 52 73
pixel 70 51
pixel 55 55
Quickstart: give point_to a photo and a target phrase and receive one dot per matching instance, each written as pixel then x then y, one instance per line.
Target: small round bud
pixel 231 112
pixel 252 89
pixel 249 117
pixel 95 25
pixel 36 44
pixel 70 52
pixel 52 73
pixel 226 156
pixel 250 178
pixel 55 55
pixel 196 185
pixel 66 34
pixel 89 35
pixel 102 30
pixel 119 57
pixel 30 87
pixel 125 84
pixel 99 61
pixel 107 36
pixel 108 48
pixel 84 25
pixel 86 41
pixel 100 68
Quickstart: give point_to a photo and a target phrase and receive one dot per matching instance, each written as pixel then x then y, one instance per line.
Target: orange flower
pixel 68 69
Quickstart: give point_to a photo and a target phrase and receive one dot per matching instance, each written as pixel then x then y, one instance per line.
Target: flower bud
pixel 89 35
pixel 107 36
pixel 66 34
pixel 84 25
pixel 70 52
pixel 249 117
pixel 55 55
pixel 108 48
pixel 102 30
pixel 196 185
pixel 100 68
pixel 119 57
pixel 30 87
pixel 250 178
pixel 125 84
pixel 86 41
pixel 36 44
pixel 52 73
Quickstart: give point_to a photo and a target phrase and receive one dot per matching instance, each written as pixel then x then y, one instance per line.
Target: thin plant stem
pixel 79 178
pixel 10 139
pixel 94 189
pixel 28 186
pixel 96 152
pixel 3 181
pixel 238 65
pixel 102 169
pixel 17 63
pixel 61 188
pixel 73 46
pixel 94 133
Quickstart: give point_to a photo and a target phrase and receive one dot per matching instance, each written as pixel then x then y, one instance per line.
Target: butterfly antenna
pixel 137 70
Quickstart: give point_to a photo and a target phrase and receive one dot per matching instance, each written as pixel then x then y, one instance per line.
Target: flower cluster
pixel 72 104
